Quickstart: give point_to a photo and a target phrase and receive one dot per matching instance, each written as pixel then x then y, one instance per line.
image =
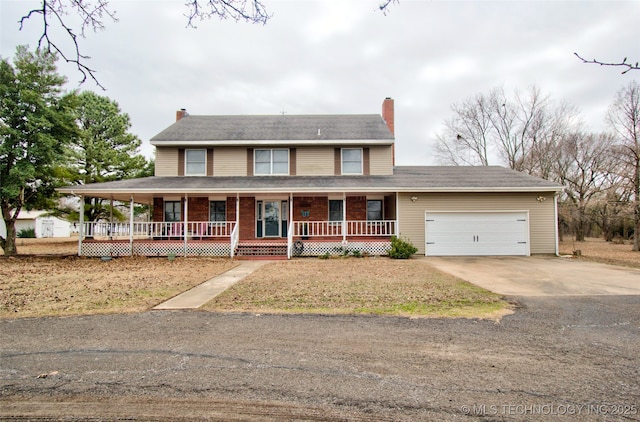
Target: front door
pixel 271 218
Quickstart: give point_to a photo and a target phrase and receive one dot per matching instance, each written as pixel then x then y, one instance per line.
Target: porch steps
pixel 261 250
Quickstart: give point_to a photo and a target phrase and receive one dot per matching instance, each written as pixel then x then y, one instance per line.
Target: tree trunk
pixel 636 230
pixel 9 244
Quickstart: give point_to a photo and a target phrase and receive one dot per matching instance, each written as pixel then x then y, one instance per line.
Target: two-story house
pixel 308 185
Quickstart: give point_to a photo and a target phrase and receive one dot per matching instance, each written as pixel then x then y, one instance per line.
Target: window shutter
pixel 292 161
pixel 365 161
pixel 337 167
pixel 181 162
pixel 249 161
pixel 210 162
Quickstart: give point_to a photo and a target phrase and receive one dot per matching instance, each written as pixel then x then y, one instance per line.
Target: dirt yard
pixel 598 250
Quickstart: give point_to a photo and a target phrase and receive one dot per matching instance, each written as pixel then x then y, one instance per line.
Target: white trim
pixel 271 150
pixel 186 162
pixel 342 162
pixel 555 213
pixel 265 142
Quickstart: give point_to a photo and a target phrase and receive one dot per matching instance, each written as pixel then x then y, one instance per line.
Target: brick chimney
pixel 388 117
pixel 387 113
pixel 181 113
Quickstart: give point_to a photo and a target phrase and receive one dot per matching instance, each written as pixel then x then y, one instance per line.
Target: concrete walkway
pixel 201 294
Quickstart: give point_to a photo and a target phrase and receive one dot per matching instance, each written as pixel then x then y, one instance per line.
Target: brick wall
pixel 318 207
pixel 356 208
pixel 198 209
pixel 247 218
pixel 158 209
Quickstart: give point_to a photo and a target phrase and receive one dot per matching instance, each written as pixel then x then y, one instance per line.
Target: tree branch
pixel 92 15
pixel 384 5
pixel 623 63
pixel 246 10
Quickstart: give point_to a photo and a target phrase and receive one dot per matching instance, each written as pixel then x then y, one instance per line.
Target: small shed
pixel 43 224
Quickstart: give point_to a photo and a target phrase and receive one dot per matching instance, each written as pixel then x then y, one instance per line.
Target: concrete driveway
pixel 541 275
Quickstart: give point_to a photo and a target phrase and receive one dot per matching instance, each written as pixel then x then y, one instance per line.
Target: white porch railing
pixel 153 230
pixel 235 239
pixel 344 228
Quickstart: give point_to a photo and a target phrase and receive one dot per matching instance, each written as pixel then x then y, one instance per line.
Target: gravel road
pixel 570 358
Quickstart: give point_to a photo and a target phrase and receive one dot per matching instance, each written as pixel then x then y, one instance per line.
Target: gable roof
pixel 279 129
pixel 405 179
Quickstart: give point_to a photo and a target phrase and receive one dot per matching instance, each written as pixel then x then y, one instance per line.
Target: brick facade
pixel 247 218
pixel 356 208
pixel 318 207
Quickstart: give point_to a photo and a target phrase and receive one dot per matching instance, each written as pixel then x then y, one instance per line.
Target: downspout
pixel 81 224
pixel 184 222
pixel 131 227
pixel 555 211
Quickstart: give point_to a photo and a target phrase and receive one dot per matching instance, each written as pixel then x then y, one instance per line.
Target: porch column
pixel 131 226
pixel 184 222
pixel 344 217
pixel 111 218
pixel 397 225
pixel 81 225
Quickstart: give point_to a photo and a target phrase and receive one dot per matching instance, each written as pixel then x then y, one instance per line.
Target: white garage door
pixel 477 233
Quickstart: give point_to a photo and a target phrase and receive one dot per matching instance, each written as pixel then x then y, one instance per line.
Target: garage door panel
pixel 481 233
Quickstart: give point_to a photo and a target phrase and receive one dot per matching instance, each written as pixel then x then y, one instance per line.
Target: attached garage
pixel 451 233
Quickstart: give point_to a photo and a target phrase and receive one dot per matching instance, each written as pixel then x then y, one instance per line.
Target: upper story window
pixel 351 160
pixel 271 161
pixel 195 162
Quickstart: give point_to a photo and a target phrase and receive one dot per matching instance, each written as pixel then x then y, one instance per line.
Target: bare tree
pixel 584 168
pixel 466 137
pixel 523 131
pixel 627 66
pixel 624 118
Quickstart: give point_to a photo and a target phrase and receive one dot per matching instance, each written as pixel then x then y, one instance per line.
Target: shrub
pixel 29 233
pixel 401 249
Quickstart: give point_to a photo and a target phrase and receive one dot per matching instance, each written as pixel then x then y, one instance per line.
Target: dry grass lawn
pixel 380 286
pixel 47 279
pixel 42 286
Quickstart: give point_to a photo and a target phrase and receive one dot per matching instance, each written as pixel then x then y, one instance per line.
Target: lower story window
pixel 172 211
pixel 218 211
pixel 335 210
pixel 374 209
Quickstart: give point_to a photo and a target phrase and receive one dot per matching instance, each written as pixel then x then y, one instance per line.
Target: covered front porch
pixel 262 225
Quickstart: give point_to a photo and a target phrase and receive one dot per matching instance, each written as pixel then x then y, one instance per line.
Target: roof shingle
pixel 276 128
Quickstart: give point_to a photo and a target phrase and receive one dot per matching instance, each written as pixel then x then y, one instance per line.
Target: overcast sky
pixel 345 57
